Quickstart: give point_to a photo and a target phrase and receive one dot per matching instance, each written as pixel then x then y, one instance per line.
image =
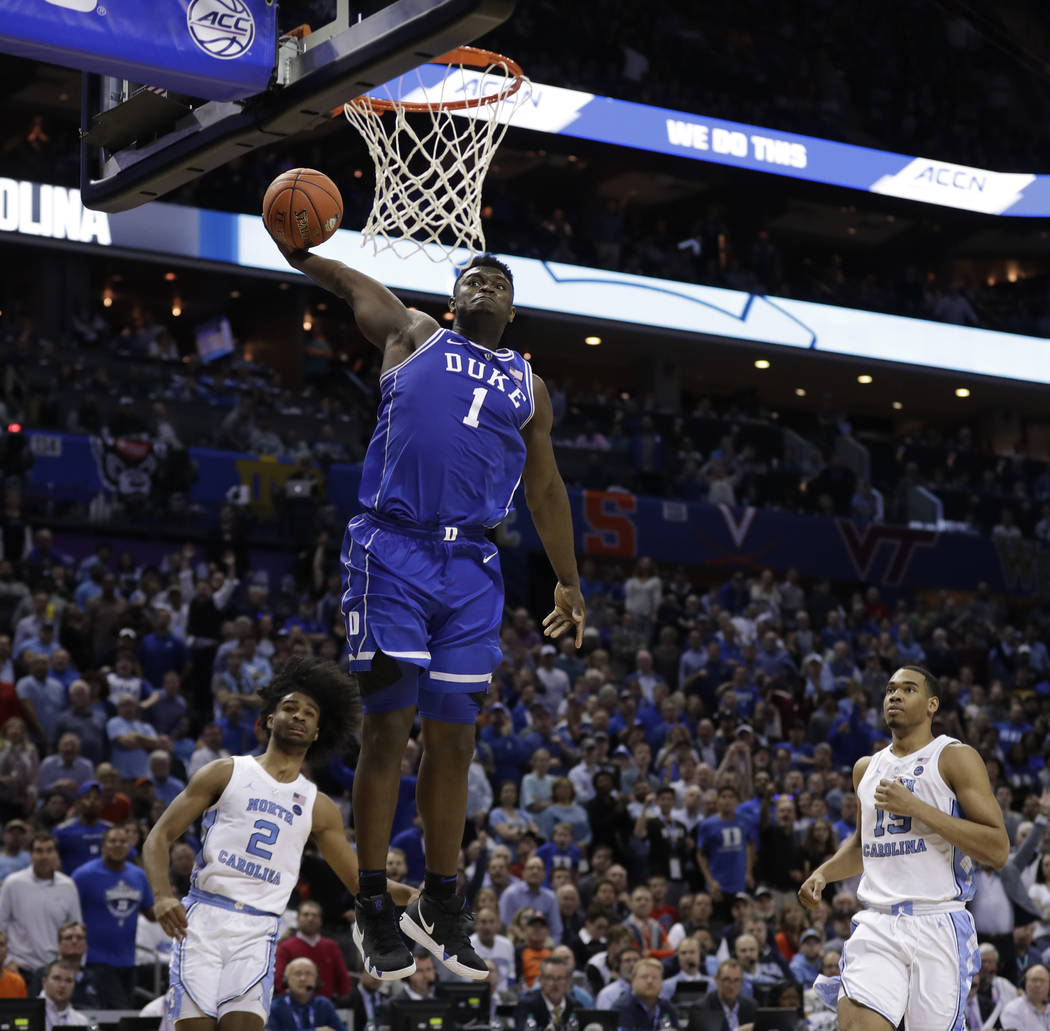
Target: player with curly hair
pixel 258 813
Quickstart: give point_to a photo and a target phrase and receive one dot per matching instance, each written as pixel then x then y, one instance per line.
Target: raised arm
pixel 201 793
pixel 548 502
pixel 329 835
pixel 381 317
pixel 848 861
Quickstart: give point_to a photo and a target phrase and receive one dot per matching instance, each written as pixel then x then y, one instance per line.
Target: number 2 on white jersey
pixel 471 418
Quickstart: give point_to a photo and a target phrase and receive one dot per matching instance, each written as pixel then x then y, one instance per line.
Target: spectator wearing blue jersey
pixel 847 824
pixel 112 894
pixel 509 754
pixel 67 764
pixel 165 785
pixel 131 740
pixel 559 852
pixel 410 841
pixel 726 849
pixel 80 838
pixel 1014 727
pixel 162 651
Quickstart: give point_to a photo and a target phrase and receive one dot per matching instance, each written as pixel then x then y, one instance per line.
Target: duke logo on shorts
pixel 421 582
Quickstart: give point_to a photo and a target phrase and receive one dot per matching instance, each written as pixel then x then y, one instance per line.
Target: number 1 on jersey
pixel 471 418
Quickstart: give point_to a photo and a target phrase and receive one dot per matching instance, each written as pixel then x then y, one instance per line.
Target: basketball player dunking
pixel 258 815
pixel 461 422
pixel 927 812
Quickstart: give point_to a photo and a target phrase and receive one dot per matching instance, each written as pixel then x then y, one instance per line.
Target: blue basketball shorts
pixel 427 603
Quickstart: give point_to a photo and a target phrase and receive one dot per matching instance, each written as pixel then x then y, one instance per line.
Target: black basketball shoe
pixel 376 936
pixel 443 926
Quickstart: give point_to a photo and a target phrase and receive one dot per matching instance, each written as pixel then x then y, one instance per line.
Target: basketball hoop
pixel 431 158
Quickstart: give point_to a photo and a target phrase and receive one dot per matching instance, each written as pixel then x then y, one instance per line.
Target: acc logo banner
pixel 221 28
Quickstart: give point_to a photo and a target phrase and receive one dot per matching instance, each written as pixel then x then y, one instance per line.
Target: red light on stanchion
pixel 14 427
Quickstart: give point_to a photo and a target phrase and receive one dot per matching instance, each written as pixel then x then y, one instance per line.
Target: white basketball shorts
pixel 225 962
pixel 915 966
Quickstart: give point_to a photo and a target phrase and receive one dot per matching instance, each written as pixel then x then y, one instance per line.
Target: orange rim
pixel 469 57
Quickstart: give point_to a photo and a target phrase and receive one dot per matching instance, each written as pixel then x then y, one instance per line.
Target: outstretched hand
pixel 569 612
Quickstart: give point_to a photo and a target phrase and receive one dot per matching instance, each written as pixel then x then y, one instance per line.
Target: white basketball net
pixel 430 165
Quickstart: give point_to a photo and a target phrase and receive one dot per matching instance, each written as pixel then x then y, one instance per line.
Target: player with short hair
pixel 462 422
pixel 927 812
pixel 258 813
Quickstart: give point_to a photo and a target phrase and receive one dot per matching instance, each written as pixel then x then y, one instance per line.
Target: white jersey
pixel 904 860
pixel 254 838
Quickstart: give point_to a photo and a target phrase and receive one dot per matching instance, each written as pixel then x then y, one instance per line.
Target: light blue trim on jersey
pixel 969 962
pixel 964 882
pixel 207 822
pixel 209 898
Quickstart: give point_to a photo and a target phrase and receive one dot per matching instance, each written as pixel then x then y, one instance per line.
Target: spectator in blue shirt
pixel 43 698
pixel 560 852
pixel 66 764
pixel 642 1008
pixel 112 894
pixel 165 785
pixel 13 855
pixel 238 732
pixel 85 721
pixel 162 652
pixel 300 1008
pixel 131 740
pixel 726 849
pixel 165 708
pixel 531 893
pixel 507 821
pixel 510 755
pixel 845 827
pixel 80 838
pixel 1013 729
pixel 61 668
pixel 45 642
pixel 805 964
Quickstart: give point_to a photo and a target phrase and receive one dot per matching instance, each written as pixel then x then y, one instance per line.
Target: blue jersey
pixel 79 843
pixel 111 901
pixel 447 448
pixel 725 842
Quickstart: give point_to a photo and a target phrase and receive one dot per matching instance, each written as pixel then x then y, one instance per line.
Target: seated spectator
pixel 84 721
pixel 568 899
pixel 19 769
pixel 325 955
pixel 67 764
pixel 550 1004
pixel 58 984
pixel 806 964
pixel 690 972
pixel 44 643
pixel 642 1007
pixel 131 740
pixel 621 969
pixel 301 1008
pixel 1028 1012
pixel 12 984
pixel 560 851
pixel 648 933
pixel 237 727
pixel 182 860
pixel 529 957
pixel 728 999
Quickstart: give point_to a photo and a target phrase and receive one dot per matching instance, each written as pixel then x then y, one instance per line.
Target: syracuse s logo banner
pixel 221 28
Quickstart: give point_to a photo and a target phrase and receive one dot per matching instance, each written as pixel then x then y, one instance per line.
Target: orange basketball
pixel 302 208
